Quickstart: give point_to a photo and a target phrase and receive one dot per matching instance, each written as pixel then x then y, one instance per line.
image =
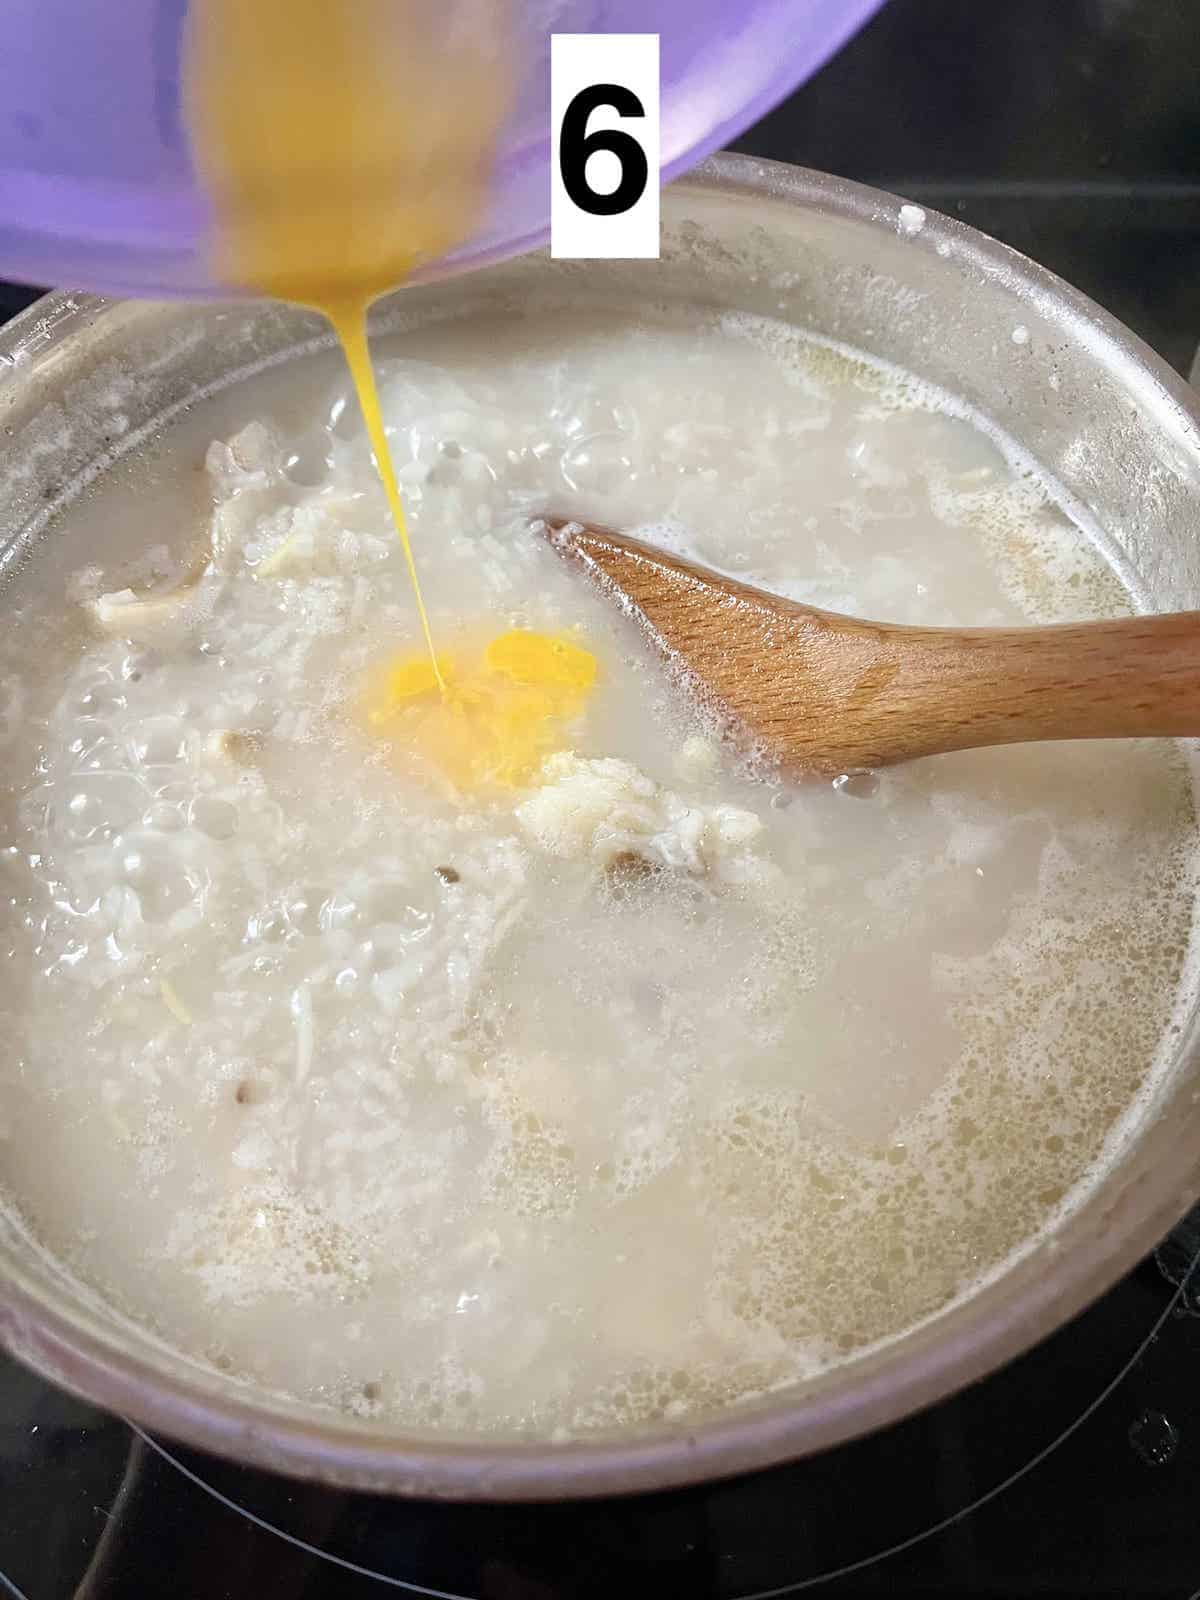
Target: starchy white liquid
pixel 632 1092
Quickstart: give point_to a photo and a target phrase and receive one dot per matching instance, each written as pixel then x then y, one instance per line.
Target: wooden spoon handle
pixel 917 691
pixel 824 693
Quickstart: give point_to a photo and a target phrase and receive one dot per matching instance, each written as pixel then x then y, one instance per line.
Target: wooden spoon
pixel 821 693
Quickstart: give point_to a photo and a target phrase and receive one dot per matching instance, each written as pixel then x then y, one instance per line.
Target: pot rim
pixel 970 1338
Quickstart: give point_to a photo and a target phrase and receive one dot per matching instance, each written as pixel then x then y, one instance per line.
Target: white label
pixel 604 146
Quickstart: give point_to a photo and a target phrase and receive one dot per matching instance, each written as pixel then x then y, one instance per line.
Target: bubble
pixel 164 884
pixel 217 818
pixel 1153 1438
pixel 858 785
pixel 308 463
pixel 159 742
pixel 101 701
pixel 100 804
pixel 596 464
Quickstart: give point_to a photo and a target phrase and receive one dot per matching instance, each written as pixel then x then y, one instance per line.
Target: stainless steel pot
pixel 1114 428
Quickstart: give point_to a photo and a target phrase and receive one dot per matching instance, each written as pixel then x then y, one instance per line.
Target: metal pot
pixel 1110 424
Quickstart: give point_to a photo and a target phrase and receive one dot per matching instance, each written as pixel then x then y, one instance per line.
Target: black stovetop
pixel 1070 129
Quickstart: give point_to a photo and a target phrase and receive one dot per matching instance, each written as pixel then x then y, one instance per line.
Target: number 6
pixel 576 144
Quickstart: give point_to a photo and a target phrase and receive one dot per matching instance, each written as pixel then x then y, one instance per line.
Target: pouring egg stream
pixel 342 147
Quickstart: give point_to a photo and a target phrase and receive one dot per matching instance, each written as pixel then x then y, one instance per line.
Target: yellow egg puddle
pixel 485 716
pixel 342 147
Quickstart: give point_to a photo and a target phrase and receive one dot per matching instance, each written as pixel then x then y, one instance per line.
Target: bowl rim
pixel 1024 1302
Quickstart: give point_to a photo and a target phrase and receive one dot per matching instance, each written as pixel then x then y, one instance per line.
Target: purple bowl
pixel 97 189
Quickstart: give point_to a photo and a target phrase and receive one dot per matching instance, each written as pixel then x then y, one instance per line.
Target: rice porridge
pixel 579 1074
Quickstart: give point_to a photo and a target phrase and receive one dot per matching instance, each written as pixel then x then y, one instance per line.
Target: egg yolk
pixel 500 714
